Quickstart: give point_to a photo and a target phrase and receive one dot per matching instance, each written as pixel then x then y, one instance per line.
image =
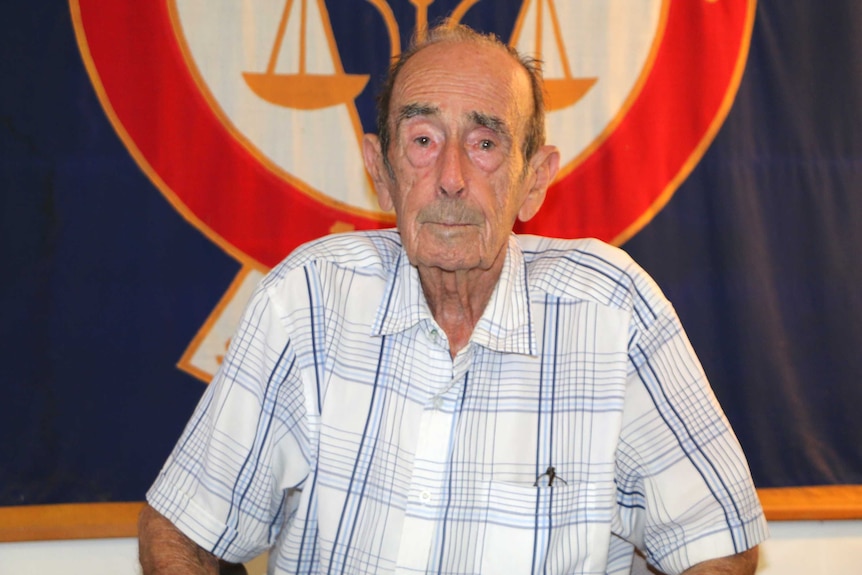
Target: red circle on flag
pixel 210 176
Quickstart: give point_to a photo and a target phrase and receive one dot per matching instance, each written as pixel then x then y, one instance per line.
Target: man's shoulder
pixel 585 269
pixel 367 251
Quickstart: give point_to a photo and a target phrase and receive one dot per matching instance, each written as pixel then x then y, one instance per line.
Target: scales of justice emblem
pixel 292 76
pixel 304 90
pixel 273 96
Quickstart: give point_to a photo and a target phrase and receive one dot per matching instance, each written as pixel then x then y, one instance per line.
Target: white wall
pixel 812 548
pixel 796 548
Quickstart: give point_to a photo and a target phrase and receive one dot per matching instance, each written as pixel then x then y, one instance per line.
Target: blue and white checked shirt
pixel 340 431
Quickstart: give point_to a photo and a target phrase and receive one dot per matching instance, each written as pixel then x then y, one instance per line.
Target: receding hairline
pixel 448 36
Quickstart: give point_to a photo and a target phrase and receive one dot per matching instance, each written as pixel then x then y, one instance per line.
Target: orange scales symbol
pixel 565 91
pixel 306 91
pixel 303 91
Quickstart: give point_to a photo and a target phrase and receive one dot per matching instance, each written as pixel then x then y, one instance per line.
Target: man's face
pixel 458 116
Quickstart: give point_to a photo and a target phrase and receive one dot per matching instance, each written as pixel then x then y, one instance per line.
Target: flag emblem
pixel 247 115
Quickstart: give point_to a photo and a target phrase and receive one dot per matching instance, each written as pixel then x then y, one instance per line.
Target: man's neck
pixel 458 299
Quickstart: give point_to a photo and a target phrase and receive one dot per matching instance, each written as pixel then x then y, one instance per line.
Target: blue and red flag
pixel 159 157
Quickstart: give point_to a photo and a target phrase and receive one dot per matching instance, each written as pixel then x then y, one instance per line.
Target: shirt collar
pixel 403 304
pixel 505 326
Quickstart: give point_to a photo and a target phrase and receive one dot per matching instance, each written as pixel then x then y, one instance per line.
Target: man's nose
pixel 452 170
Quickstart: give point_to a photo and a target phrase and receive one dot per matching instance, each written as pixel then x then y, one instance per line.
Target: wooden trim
pixel 812 503
pixel 69 521
pixel 104 520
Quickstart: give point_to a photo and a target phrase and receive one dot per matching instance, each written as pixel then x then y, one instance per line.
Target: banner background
pixel 104 283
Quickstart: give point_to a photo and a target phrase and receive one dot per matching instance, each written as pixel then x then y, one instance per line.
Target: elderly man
pixel 450 397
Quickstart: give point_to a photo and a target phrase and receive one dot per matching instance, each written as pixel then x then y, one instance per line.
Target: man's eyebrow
pixel 493 123
pixel 413 110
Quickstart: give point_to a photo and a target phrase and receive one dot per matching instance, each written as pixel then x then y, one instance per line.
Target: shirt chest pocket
pixel 561 529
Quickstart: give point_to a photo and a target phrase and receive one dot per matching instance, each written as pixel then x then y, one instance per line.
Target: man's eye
pixel 422 140
pixel 486 145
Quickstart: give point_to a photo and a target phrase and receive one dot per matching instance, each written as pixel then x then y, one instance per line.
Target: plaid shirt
pixel 576 424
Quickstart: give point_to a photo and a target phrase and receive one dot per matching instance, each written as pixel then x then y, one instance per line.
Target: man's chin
pixel 446 260
pixel 447 248
pixel 452 261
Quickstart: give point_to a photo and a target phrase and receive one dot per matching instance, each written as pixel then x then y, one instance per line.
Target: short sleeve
pixel 684 490
pixel 246 447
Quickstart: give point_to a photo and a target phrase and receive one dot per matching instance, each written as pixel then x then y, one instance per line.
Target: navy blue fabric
pixel 760 248
pixel 103 284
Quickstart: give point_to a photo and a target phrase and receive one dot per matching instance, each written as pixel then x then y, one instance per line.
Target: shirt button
pixel 425 496
pixel 434 334
pixel 438 402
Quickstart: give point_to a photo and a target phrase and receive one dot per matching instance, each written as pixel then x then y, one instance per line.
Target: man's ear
pixel 373 157
pixel 543 169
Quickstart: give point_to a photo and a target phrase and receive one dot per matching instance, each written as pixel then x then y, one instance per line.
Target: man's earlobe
pixel 544 166
pixel 372 155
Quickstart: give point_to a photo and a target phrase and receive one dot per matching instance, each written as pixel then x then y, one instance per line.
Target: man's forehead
pixel 488 61
pixel 483 80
